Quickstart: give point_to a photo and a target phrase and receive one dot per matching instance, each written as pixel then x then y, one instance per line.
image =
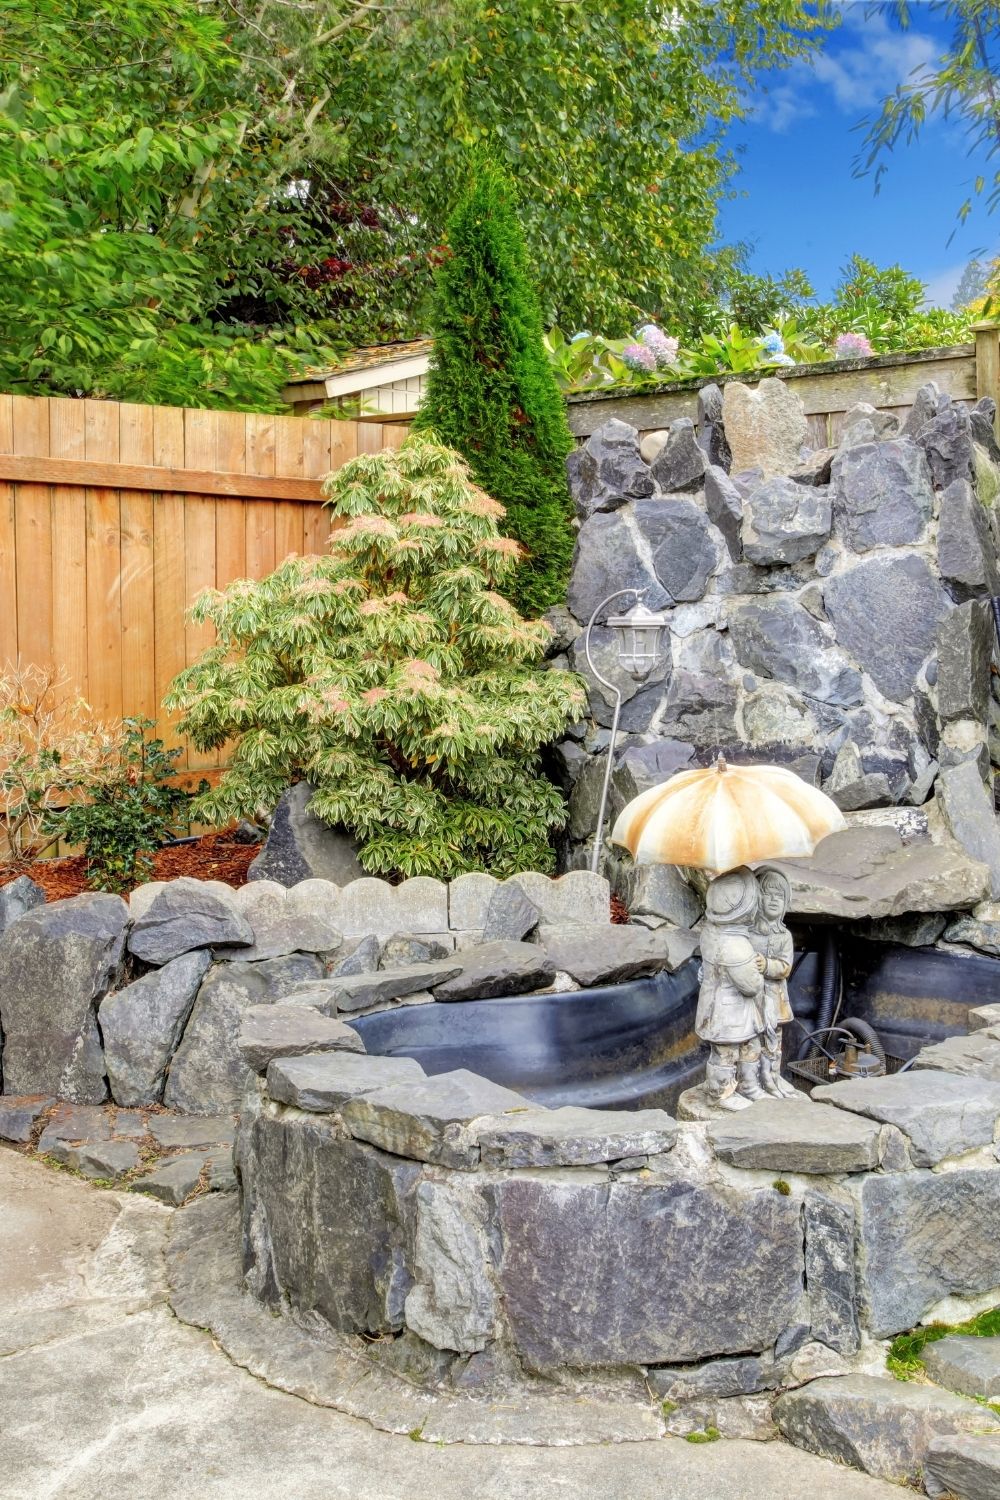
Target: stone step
pixel 965 1363
pixel 877 1424
pixel 963 1467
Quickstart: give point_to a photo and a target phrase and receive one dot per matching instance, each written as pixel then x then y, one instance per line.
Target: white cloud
pixel 857 66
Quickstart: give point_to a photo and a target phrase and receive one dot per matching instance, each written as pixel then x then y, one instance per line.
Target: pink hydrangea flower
pixel 852 346
pixel 639 358
pixel 664 347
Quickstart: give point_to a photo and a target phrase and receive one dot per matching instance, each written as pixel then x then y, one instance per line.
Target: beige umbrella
pixel 725 817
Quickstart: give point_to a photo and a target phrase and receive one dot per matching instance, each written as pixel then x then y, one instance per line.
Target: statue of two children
pixel 743 1001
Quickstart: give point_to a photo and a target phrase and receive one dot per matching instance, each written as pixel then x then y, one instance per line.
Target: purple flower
pixel 639 358
pixel 852 346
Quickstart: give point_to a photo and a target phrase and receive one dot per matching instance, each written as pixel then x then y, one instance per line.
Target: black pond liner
pixel 632 1046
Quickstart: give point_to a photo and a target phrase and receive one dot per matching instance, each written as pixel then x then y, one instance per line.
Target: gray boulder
pixel 142 1026
pixel 608 470
pixel 427 1120
pixel 851 786
pixel 496 969
pixel 363 958
pixel 105 1161
pixel 724 505
pixel 967 1466
pixel 784 522
pixel 886 613
pixel 778 638
pixel 873 1423
pixel 612 955
pixel 969 813
pixel 709 425
pixel 684 552
pixel 868 872
pixel 882 494
pixel 57 962
pixel 208 1073
pixel 607 558
pixel 639 698
pixel 947 441
pixel 183 916
pixel 942 1115
pixel 978 929
pixel 270 1031
pixel 276 934
pixel 660 891
pixel 404 949
pixel 680 463
pixel 453 1304
pixel 572 1137
pixel 975 1056
pixel 70 1124
pixel 17 897
pixel 300 846
pixel 735 1269
pixel 831 1280
pixel 966 548
pixel 925 1236
pixel 966 639
pixel 510 915
pixel 340 1246
pixel 926 404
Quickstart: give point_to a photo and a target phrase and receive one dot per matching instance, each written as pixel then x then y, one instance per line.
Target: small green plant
pixel 668 1407
pixel 392 676
pixel 905 1360
pixel 131 809
pixel 709 1435
pixel 781 1186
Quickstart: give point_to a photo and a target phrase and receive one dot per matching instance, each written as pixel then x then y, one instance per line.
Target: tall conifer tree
pixel 491 392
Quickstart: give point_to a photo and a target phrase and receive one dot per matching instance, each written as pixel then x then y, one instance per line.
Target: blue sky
pixel 798 203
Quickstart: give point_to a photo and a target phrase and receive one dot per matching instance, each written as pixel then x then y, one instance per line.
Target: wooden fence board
pixel 67 439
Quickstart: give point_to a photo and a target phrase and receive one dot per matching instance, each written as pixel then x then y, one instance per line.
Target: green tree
pixel 972 285
pixel 392 676
pixel 962 86
pixel 491 392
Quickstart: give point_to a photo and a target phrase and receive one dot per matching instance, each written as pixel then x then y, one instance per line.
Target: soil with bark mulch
pixel 215 856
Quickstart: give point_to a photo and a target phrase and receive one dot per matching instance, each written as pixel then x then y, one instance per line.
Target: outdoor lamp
pixel 637 636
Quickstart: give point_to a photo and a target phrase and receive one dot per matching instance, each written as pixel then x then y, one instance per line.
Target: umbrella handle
pixel 595 857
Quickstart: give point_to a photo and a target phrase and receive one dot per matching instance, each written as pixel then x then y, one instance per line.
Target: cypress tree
pixel 491 392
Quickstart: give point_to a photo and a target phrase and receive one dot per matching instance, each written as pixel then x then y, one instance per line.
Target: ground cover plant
pixel 392 675
pixel 491 392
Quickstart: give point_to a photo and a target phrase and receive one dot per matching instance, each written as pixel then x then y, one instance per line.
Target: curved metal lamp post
pixel 638 639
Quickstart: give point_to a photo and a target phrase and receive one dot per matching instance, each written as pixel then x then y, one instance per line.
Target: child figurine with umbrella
pixel 723 820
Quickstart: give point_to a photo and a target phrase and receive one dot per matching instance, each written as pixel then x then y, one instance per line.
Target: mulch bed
pixel 215 856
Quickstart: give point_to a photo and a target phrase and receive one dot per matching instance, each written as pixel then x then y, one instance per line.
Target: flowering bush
pixel 640 358
pixel 852 346
pixel 392 676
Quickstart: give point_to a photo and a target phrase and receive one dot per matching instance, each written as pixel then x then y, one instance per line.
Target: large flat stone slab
pixel 975 1056
pixel 925 1236
pixel 356 992
pixel 942 1114
pixel 965 1363
pixel 20 1113
pixel 868 872
pixel 427 1121
pixel 873 1423
pixel 208 1072
pixel 496 969
pixel 789 1135
pixel 646 1272
pixel 963 1466
pixel 270 1031
pixel 611 955
pixel 326 1081
pixel 572 1137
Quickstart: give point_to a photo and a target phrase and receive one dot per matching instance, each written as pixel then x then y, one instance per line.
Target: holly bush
pixel 392 675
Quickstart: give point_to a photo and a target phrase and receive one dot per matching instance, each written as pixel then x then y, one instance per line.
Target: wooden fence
pixel 114 517
pixel 827 391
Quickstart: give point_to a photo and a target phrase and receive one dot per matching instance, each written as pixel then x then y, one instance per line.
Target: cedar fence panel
pixel 113 517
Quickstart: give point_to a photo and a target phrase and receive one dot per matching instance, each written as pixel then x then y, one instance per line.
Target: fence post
pixel 987 360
